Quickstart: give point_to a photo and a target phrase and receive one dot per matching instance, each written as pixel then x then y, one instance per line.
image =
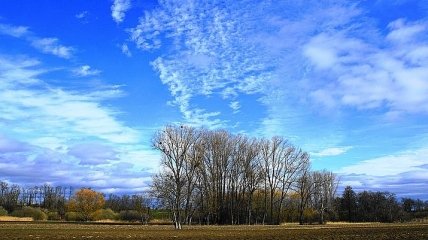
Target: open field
pixel 34 230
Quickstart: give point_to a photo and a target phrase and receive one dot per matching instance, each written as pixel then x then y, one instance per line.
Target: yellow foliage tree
pixel 86 201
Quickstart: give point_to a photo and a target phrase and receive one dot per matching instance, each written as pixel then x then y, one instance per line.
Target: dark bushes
pixel 35 213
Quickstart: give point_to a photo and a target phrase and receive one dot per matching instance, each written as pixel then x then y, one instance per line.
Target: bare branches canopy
pixel 221 178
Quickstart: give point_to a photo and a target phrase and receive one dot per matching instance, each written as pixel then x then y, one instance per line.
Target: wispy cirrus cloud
pixel 24 94
pixel 119 8
pixel 333 151
pixel 206 58
pixel 235 106
pixel 51 46
pixel 125 50
pixel 45 45
pixel 327 54
pixel 14 31
pixel 85 71
pixel 82 17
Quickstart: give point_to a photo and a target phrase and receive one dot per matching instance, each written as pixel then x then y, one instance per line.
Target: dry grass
pixel 15 219
pixel 46 230
pixel 108 221
pixel 160 222
pixel 353 223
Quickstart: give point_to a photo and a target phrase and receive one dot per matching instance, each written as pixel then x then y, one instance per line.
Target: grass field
pixel 34 230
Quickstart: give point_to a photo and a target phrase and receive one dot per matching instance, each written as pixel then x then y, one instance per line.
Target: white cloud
pixel 323 57
pixel 182 93
pixel 51 45
pixel 93 153
pixel 53 107
pixel 333 151
pixel 45 45
pixel 119 8
pixel 125 50
pixel 82 16
pixel 235 106
pixel 8 145
pixel 403 32
pixel 85 71
pixel 412 160
pixel 14 31
pixel 367 76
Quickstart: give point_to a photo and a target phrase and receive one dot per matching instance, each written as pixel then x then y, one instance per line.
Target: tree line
pixel 88 205
pixel 369 206
pixel 47 202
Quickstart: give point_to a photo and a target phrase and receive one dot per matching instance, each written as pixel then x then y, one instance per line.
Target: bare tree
pixel 175 144
pixel 324 191
pixel 304 189
pixel 295 161
pixel 273 153
pixel 251 172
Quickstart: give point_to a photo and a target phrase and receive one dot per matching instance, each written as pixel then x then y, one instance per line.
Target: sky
pixel 84 85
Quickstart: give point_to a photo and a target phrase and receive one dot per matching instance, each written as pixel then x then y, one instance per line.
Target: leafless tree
pixel 304 189
pixel 175 144
pixel 295 161
pixel 324 191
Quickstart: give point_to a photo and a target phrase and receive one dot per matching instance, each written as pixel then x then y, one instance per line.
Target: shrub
pixel 101 214
pixel 3 211
pixel 54 216
pixel 129 215
pixel 74 216
pixel 35 213
pixel 310 215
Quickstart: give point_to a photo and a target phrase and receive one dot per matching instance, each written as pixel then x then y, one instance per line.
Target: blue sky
pixel 85 84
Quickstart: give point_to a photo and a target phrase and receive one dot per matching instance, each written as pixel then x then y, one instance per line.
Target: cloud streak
pixel 44 45
pixel 334 151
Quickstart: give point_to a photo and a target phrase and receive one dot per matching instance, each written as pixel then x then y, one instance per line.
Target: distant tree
pixel 113 202
pixel 9 196
pixel 324 191
pixel 348 205
pixel 86 201
pixel 304 185
pixel 3 211
pixel 377 207
pixel 140 205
